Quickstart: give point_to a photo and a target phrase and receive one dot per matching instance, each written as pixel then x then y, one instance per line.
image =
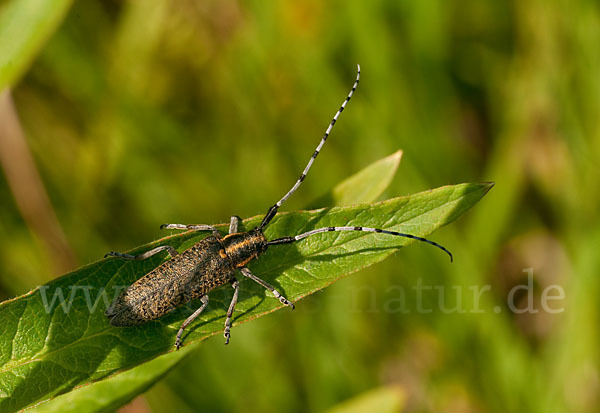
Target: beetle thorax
pixel 243 247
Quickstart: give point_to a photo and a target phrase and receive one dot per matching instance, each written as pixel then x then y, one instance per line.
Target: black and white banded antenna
pixel 273 210
pixel 289 240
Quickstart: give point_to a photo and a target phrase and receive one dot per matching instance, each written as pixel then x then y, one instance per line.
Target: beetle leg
pixel 246 272
pixel 236 286
pixel 200 227
pixel 234 224
pixel 143 256
pixel 188 320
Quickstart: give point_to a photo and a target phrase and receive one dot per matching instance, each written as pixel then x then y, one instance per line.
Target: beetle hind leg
pixel 191 318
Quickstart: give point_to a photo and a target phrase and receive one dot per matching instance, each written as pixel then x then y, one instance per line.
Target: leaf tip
pixel 397 154
pixel 487 186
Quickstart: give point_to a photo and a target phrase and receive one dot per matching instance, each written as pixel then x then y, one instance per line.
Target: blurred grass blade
pixel 121 388
pixel 57 337
pixel 382 400
pixel 365 186
pixel 25 25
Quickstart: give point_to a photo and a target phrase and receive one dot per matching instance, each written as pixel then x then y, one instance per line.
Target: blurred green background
pixel 144 112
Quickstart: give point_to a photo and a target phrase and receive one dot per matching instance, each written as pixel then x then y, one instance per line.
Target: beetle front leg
pixel 246 272
pixel 143 256
pixel 234 224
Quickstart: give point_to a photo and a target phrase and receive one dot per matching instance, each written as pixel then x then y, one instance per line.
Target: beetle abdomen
pixel 183 278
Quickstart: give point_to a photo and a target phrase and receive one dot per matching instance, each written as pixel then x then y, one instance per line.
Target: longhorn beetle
pixel 213 262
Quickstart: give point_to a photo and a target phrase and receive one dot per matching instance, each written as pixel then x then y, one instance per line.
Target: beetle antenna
pixel 273 210
pixel 289 240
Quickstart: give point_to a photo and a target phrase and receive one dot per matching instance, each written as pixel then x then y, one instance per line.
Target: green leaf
pixel 365 186
pixel 49 346
pixel 25 25
pixel 110 394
